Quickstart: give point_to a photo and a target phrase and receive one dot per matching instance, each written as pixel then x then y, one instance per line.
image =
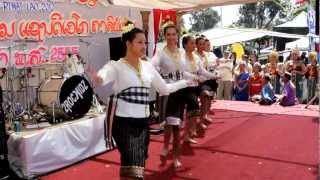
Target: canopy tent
pixel 225 36
pixel 180 5
pixel 299 21
pixel 298 25
pixel 302 44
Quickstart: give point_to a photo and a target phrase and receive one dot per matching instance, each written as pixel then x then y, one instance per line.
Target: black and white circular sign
pixel 76 96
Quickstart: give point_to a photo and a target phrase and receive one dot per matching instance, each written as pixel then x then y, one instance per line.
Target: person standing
pixel 255 81
pixel 276 70
pixel 312 75
pixel 170 63
pixel 225 68
pixel 208 87
pixel 297 69
pixel 241 83
pixel 128 111
pixel 195 67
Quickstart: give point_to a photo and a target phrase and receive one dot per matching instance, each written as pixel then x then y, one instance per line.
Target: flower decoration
pixel 127 25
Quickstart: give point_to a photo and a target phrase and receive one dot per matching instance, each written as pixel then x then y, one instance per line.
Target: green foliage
pixel 264 15
pixel 204 19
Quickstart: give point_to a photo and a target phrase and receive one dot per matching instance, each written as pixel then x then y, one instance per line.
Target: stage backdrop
pixel 62 27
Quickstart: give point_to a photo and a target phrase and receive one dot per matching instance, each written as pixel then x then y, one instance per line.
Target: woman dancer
pixel 194 66
pixel 209 87
pixel 132 79
pixel 169 61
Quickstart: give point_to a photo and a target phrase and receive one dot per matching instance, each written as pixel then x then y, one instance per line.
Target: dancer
pixel 194 66
pixel 170 62
pixel 209 87
pixel 132 79
pixel 312 75
pixel 288 97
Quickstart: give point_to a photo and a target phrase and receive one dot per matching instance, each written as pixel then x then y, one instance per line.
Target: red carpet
pixel 238 146
pixel 245 106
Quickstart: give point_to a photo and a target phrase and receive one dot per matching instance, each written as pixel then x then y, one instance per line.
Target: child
pixel 289 91
pixel 267 93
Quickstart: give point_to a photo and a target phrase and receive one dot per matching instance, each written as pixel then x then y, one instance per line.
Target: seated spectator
pixel 289 91
pixel 267 93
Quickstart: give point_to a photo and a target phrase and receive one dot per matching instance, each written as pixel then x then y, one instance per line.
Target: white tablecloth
pixel 37 152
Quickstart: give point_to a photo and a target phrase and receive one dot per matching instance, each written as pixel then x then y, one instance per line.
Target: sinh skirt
pixel 210 85
pixel 191 100
pixel 175 107
pixel 132 138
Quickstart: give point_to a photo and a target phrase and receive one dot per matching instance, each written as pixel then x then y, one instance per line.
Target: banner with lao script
pixel 57 28
pixel 311 20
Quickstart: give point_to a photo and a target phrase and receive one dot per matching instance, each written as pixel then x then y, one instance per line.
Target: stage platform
pixel 245 142
pixel 36 152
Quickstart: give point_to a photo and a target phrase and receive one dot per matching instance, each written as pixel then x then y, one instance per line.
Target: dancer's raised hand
pixel 92 73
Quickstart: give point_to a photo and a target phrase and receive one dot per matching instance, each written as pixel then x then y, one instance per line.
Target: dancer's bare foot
pixel 203 126
pixel 190 140
pixel 208 120
pixel 194 134
pixel 163 156
pixel 177 164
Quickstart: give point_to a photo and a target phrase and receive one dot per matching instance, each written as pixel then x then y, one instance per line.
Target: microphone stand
pixel 95 99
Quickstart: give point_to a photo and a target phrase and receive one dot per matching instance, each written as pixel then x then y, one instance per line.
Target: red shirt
pixel 255 84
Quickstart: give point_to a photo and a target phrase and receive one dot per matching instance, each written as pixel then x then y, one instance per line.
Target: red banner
pixel 160 17
pixel 299 1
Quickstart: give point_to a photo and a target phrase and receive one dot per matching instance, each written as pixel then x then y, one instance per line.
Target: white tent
pixel 225 36
pixel 298 22
pixel 302 44
pixel 181 5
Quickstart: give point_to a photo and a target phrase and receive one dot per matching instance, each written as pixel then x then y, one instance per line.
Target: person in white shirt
pixel 210 85
pixel 128 111
pixel 195 67
pixel 226 77
pixel 170 63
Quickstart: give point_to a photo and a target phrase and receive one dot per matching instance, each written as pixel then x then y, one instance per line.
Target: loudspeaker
pixel 116 48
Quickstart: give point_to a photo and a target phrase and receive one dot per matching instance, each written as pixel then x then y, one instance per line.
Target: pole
pixel 4 165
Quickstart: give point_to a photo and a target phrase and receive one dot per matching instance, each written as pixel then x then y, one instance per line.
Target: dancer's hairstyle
pixel 185 40
pixel 168 26
pixel 129 34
